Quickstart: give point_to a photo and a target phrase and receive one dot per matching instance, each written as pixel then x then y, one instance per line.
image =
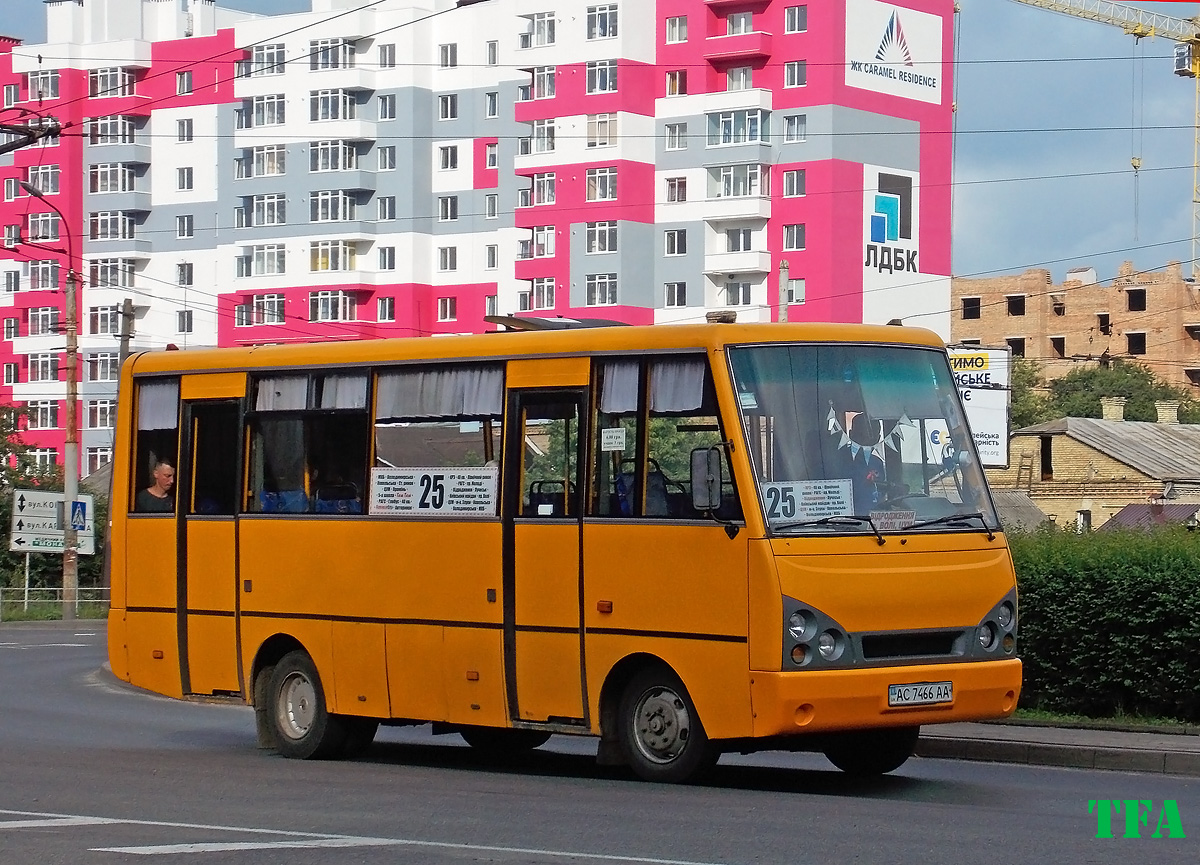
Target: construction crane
pixel 1139 24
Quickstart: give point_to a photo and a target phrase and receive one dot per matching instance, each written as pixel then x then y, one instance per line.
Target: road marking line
pixel 55 821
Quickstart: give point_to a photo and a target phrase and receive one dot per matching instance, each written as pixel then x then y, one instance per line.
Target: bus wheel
pixel 660 732
pixel 360 733
pixel 873 752
pixel 500 742
pixel 304 729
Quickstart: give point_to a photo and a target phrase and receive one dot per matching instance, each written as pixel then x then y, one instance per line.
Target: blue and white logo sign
pixel 894 50
pixel 891 219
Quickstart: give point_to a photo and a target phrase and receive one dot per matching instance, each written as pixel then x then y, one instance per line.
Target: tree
pixel 1027 405
pixel 1078 393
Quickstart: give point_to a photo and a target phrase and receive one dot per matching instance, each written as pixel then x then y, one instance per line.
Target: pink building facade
pixel 410 168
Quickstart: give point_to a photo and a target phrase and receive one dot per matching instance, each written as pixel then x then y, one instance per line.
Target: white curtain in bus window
pixel 677 385
pixel 282 393
pixel 158 405
pixel 437 441
pixel 342 391
pixel 619 388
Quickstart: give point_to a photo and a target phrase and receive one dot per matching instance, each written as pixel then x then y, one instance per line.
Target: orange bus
pixel 683 540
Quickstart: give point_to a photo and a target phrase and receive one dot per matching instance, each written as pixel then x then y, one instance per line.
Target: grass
pixel 46 611
pixel 1043 716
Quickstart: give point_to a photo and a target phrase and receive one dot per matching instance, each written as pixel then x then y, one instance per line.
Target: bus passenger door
pixel 208 481
pixel 543 501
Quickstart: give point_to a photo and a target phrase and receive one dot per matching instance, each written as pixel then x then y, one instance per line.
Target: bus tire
pixel 502 741
pixel 873 752
pixel 360 733
pixel 660 730
pixel 304 729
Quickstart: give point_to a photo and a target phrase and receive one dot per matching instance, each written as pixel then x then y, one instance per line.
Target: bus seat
pixel 547 499
pixel 338 499
pixel 284 502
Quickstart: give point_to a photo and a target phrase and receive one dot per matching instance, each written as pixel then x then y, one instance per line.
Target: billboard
pixel 983 376
pixel 894 50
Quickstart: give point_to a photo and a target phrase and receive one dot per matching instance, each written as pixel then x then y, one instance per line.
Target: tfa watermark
pixel 1140 816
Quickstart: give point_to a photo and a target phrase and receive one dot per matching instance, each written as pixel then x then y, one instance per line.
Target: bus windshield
pixel 854 438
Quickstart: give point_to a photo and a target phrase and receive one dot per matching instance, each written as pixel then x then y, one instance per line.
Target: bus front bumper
pixel 815 702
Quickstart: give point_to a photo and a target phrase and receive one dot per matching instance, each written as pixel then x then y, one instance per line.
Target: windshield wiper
pixel 955 521
pixel 845 520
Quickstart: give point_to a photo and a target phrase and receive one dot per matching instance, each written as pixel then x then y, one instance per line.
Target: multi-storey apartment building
pixel 407 167
pixel 1150 317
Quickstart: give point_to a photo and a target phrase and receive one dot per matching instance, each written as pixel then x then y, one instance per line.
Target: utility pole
pixel 126 328
pixel 71 451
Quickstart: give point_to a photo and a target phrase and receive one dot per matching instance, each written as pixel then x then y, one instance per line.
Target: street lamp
pixel 71 448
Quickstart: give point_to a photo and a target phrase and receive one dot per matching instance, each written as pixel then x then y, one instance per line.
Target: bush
pixel 1110 621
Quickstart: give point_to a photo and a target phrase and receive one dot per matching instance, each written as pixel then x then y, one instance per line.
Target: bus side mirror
pixel 706 479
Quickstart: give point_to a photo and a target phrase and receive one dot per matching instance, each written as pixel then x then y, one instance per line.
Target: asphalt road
pixel 95 772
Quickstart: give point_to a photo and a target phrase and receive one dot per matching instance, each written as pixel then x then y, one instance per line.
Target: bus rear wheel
pixel 502 742
pixel 660 731
pixel 304 729
pixel 873 752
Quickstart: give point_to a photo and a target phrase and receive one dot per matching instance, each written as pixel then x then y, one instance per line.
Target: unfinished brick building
pixel 1152 318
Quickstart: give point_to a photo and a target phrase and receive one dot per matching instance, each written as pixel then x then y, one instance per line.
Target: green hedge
pixel 1110 622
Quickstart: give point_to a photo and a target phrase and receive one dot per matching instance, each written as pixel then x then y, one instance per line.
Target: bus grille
pixel 927 643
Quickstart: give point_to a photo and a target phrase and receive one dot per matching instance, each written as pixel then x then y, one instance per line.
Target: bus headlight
pixel 1004 616
pixel 987 636
pixel 797 625
pixel 830 645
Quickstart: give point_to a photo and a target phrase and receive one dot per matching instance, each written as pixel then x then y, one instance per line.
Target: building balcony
pixel 128 247
pixel 531 268
pixel 721 4
pixel 737 47
pixel 737 207
pixel 136 200
pixel 747 261
pixel 353 78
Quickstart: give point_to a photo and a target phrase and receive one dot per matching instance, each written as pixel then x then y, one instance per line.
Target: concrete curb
pixel 1069 756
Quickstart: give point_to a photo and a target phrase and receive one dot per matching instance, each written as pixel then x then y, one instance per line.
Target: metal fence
pixel 39 604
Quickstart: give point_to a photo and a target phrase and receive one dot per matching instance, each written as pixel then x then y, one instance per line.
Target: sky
pixel 1051 109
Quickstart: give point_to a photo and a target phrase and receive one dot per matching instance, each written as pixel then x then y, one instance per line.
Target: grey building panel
pixel 635 248
pixel 876 139
pixel 687 268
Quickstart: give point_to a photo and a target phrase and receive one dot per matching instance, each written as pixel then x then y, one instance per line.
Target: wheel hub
pixel 297 705
pixel 662 725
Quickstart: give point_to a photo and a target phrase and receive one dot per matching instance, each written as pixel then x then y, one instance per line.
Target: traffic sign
pixel 39 522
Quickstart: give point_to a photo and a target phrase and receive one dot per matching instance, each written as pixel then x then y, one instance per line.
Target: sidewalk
pixel 1152 751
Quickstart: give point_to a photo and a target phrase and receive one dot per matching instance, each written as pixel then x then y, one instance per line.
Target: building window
pixel 1016 304
pixel 332 105
pixel 12 328
pixel 331 205
pixel 101 413
pixel 737 294
pixel 112 273
pixel 1135 299
pixel 44 367
pixel 448 157
pixel 1104 323
pixel 491 104
pixel 97 458
pixel 386 158
pixel 103 83
pixel 103 366
pixel 795 19
pixel 184 129
pixel 795 127
pixel 110 177
pixel 601 184
pixel 448 106
pixel 491 254
pixel 265 259
pixel 738 239
pixel 739 22
pixel 111 130
pixel 261 309
pixel 795 73
pixel 12 95
pixel 601 130
pixel 677 82
pixel 676 294
pixel 601 237
pixel 44 178
pixel 795 291
pixel 543 188
pixel 12 373
pixel 447 309
pixel 184 274
pixel 492 53
pixel 448 55
pixel 602 21
pixel 448 208
pixel 43 226
pixel 676 135
pixel 736 181
pixel 1135 342
pixel 267 59
pixel 737 127
pixel 11 188
pixel 387 107
pixel 676 189
pixel 185 226
pixel 542 293
pixel 43 85
pixel 793 237
pixel 332 306
pixel 387 258
pixel 330 54
pixel 675 241
pixel 601 289
pixel 1058 344
pixel 12 281
pixel 491 156
pixel 385 309
pixel 183 83
pixel 43 275
pixel 42 414
pixel 1016 345
pixel 112 225
pixel 491 206
pixel 184 178
pixel 331 156
pixel 794 183
pixel 270 209
pixel 1058 304
pixel 602 76
pixel 543 136
pixel 543 241
pixel 543 82
pixel 676 29
pixel 43 320
pixel 541 31
pixel 183 321
pixel 387 208
pixel 971 308
pixel 447 259
pixel 739 78
pixel 331 255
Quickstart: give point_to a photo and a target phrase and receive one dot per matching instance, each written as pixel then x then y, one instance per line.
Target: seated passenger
pixel 158 498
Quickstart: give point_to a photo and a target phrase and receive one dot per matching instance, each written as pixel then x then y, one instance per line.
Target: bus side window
pixel 614 491
pixel 156 444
